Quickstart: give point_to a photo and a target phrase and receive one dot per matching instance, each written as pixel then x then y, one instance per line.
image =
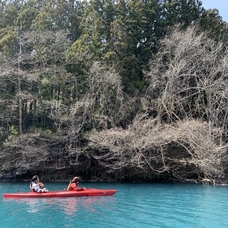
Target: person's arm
pixel 41 185
pixel 68 187
pixel 37 188
pixel 31 186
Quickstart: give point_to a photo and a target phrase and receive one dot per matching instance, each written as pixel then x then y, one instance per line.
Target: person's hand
pixel 41 185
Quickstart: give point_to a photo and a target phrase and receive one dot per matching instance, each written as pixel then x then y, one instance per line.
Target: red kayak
pixel 86 192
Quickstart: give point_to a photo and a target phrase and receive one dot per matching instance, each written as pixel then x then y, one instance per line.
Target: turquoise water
pixel 133 206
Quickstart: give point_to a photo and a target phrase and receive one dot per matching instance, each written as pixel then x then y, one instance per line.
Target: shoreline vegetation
pixel 203 182
pixel 113 91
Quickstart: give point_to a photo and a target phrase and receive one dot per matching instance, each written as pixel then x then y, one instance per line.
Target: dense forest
pixel 113 90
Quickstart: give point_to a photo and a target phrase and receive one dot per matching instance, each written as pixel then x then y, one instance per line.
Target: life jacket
pixel 73 187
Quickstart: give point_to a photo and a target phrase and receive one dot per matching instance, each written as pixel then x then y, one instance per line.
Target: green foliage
pixel 118 32
pixel 13 132
pixel 27 15
pixel 181 11
pixel 9 13
pixel 8 41
pixel 45 89
pixel 10 90
pixel 57 15
pixel 212 22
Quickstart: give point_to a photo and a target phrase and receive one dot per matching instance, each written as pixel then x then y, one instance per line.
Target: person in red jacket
pixel 74 185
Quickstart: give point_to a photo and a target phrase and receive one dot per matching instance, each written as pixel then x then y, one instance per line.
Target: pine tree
pixel 216 28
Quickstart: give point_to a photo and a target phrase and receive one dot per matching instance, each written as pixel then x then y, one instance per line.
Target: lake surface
pixel 133 206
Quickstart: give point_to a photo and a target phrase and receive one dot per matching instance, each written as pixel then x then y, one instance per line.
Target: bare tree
pixel 183 151
pixel 187 89
pixel 188 79
pixel 100 105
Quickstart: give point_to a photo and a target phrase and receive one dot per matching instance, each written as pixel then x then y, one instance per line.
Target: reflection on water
pixel 68 205
pixel 33 206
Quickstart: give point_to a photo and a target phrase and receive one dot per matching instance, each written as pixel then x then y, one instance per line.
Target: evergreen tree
pixel 27 14
pixel 216 28
pixel 184 12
